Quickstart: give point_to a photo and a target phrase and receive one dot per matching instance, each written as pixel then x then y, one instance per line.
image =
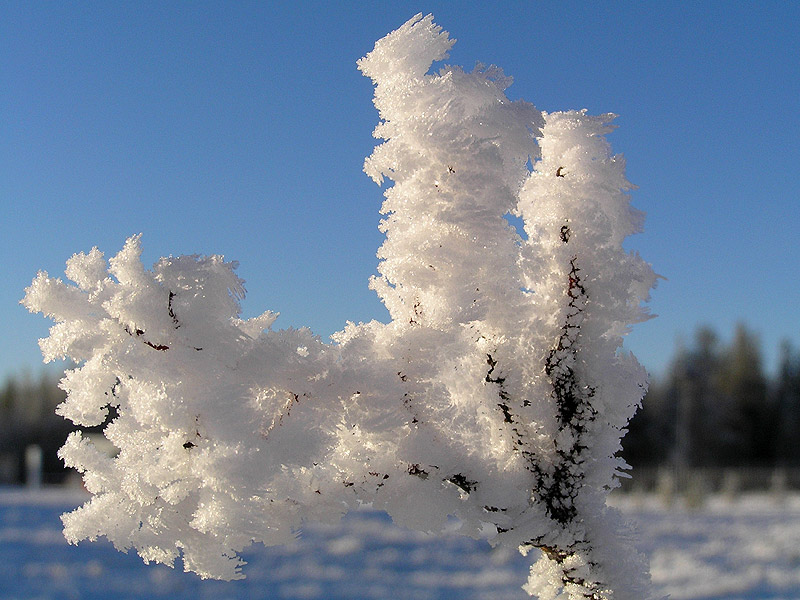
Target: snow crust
pixel 497 394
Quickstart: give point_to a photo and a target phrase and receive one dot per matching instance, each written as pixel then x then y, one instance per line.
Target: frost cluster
pixel 498 392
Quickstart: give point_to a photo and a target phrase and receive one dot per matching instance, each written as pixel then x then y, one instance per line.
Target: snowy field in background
pixel 747 548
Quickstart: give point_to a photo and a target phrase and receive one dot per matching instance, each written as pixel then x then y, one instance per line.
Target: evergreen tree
pixel 744 385
pixel 787 403
pixel 651 438
pixel 706 414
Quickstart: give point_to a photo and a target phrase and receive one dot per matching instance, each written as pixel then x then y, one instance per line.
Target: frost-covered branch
pixel 498 392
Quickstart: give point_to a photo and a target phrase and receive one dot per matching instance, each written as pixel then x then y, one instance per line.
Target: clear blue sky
pixel 241 128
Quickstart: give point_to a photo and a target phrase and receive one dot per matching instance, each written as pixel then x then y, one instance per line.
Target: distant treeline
pixel 715 407
pixel 27 418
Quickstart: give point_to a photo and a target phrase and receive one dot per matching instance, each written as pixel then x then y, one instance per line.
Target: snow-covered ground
pixel 745 548
pixel 742 548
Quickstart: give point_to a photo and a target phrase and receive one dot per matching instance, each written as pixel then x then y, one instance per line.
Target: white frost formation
pixel 498 393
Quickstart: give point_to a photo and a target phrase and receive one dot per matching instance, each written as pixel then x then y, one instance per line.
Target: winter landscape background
pixel 730 548
pixel 125 121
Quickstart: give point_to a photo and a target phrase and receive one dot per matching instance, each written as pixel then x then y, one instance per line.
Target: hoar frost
pixel 498 392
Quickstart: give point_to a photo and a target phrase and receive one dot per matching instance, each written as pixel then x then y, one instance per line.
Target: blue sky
pixel 241 129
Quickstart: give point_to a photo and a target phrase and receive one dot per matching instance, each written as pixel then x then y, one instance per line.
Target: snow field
pixel 740 549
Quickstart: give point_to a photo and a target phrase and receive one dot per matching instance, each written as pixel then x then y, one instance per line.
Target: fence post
pixel 33 466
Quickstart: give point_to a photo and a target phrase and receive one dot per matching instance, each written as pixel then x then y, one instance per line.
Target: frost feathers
pixel 498 393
